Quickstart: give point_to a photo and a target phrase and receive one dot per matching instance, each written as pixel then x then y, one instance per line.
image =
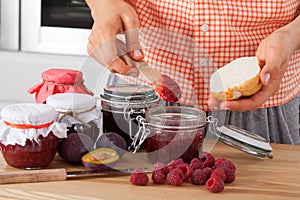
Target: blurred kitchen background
pixel 36 35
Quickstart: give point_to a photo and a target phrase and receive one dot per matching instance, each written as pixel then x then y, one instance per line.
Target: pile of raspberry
pixel 205 170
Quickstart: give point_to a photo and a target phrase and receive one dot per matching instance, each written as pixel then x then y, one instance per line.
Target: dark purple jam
pixel 165 145
pixel 115 122
pixel 33 154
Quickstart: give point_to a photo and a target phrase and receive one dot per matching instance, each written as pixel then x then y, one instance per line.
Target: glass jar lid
pixel 136 94
pixel 244 141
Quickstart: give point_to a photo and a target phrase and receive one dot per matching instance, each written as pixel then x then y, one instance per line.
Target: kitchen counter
pixel 256 178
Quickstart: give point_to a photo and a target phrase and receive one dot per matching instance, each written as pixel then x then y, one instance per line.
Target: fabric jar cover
pixel 28 121
pixel 75 108
pixel 59 81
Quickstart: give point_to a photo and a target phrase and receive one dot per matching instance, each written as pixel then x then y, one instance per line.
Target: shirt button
pixel 203 62
pixel 204 27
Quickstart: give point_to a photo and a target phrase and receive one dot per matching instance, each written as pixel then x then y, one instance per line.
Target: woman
pixel 189 40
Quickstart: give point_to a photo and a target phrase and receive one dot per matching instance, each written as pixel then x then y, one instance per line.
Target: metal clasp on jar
pixel 130 109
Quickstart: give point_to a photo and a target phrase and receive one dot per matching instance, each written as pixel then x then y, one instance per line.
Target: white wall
pixel 19 71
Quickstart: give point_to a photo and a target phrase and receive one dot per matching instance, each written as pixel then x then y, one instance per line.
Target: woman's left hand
pixel 275 52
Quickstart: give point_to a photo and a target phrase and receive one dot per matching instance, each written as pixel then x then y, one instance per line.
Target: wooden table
pixel 256 178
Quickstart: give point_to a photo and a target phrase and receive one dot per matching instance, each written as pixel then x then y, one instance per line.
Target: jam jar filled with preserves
pixel 82 118
pixel 121 104
pixel 29 135
pixel 175 132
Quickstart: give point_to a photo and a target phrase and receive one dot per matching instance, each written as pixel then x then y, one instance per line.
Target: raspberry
pixel 198 177
pixel 230 175
pixel 207 159
pixel 158 177
pixel 208 171
pixel 138 177
pixel 175 177
pixel 196 163
pixel 227 164
pixel 215 184
pixel 162 167
pixel 219 172
pixel 186 170
pixel 173 164
pixel 219 161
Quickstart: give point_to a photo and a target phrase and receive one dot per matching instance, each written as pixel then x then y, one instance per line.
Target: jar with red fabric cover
pixel 29 135
pixel 59 81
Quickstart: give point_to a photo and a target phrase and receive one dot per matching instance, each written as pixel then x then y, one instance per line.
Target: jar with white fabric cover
pixel 81 116
pixel 29 135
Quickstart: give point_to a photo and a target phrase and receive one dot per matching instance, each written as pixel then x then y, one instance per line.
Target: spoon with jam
pixel 164 85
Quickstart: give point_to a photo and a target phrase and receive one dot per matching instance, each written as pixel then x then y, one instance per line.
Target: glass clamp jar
pixel 81 116
pixel 29 135
pixel 174 132
pixel 122 104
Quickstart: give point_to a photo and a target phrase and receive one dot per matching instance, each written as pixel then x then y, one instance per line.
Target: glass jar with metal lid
pixel 121 104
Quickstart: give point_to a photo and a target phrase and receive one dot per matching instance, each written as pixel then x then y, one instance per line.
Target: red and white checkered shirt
pixel 190 39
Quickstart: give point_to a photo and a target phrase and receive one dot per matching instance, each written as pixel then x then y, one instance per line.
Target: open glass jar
pixel 29 135
pixel 175 132
pixel 121 104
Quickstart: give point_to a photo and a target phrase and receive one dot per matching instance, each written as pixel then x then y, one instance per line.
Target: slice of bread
pixel 238 78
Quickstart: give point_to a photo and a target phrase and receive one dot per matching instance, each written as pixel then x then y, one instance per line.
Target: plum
pixel 91 129
pixel 114 141
pixel 72 148
pixel 100 159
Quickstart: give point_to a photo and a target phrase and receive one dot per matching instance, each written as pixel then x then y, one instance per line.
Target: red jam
pixel 168 89
pixel 166 145
pixel 33 154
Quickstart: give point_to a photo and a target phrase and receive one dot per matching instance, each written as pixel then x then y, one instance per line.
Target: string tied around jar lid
pixel 75 115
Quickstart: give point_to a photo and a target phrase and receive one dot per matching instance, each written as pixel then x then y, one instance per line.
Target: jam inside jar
pixel 33 155
pixel 122 104
pixel 175 132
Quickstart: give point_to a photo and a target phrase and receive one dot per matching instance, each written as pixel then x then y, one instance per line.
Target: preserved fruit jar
pixel 83 120
pixel 59 81
pixel 175 132
pixel 29 135
pixel 121 104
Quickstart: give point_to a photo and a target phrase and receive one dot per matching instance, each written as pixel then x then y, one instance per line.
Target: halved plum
pixel 100 159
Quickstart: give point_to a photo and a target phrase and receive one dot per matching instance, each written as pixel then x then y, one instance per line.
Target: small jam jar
pixel 175 132
pixel 78 112
pixel 59 81
pixel 121 104
pixel 29 135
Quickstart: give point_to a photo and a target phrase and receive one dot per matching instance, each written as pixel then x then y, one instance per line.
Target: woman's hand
pixel 112 17
pixel 275 52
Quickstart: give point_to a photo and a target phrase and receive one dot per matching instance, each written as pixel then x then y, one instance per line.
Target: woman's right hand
pixel 112 17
